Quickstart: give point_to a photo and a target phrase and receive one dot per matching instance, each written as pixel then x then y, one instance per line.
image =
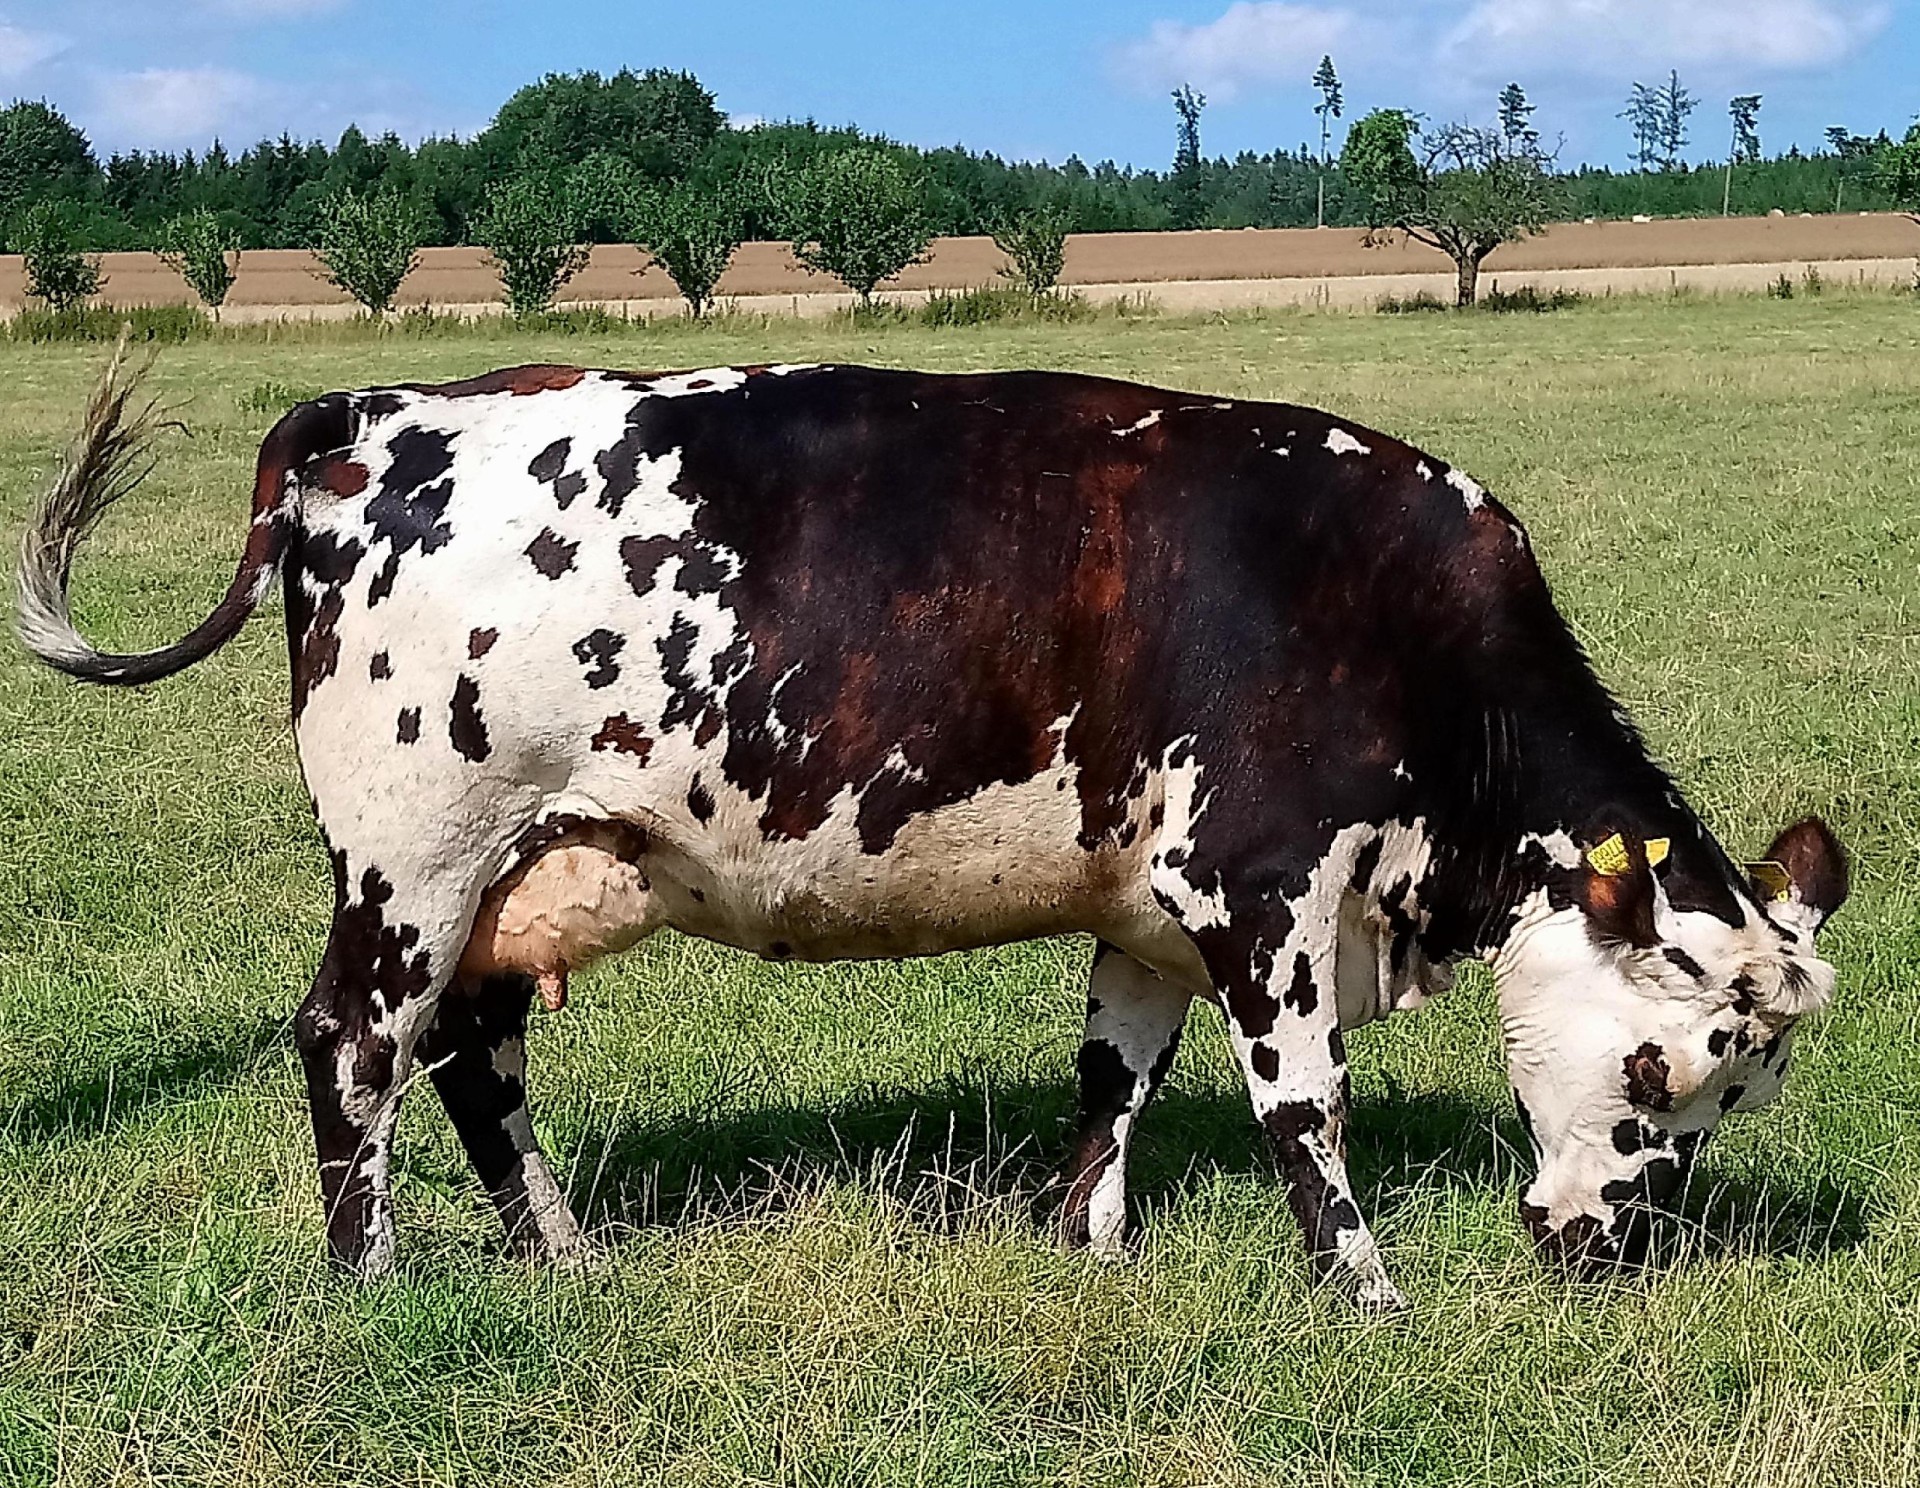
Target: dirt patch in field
pixel 460 276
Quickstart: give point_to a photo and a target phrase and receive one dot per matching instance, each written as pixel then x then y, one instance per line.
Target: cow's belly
pixel 1003 866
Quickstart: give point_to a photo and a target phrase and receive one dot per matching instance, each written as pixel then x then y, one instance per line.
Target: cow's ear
pixel 1805 871
pixel 1614 885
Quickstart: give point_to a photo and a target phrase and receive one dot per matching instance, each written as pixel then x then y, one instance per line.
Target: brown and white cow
pixel 829 662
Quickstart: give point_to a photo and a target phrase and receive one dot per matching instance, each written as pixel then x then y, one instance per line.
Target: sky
pixel 1026 79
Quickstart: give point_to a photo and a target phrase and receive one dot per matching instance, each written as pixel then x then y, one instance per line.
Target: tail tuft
pixel 111 455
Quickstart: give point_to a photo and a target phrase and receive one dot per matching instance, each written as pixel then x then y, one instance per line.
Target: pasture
pixel 822 1189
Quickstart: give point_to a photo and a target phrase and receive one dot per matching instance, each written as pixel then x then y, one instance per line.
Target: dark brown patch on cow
pixel 521 382
pixel 596 651
pixel 621 734
pixel 466 726
pixel 379 667
pixel 1266 1062
pixel 407 731
pixel 341 477
pixel 551 553
pixel 480 641
pixel 1646 1074
pixel 700 801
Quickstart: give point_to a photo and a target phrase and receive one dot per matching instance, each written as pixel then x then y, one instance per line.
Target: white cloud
pixel 269 10
pixel 163 107
pixel 21 50
pixel 745 121
pixel 1254 41
pixel 1610 38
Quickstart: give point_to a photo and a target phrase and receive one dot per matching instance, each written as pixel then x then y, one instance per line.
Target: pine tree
pixel 1331 102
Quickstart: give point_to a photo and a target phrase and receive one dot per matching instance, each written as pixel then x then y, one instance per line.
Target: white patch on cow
pixel 1343 443
pixel 1557 845
pixel 1401 772
pixel 1424 471
pixel 1469 489
pixel 1138 425
pixel 1197 908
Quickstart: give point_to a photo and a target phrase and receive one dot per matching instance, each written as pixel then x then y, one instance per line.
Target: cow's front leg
pixel 1285 1026
pixel 1134 1019
pixel 477 1052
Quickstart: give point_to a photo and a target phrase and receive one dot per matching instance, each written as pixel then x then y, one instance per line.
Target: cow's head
pixel 1634 1022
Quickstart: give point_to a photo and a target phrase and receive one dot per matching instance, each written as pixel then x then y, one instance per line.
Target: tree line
pixel 615 135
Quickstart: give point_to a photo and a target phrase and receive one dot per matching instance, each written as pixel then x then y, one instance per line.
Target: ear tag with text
pixel 1610 858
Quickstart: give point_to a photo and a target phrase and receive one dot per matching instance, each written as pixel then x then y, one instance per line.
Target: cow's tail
pixel 111 456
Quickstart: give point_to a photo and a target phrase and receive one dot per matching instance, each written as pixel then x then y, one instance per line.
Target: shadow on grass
pixel 950 1155
pixel 107 1099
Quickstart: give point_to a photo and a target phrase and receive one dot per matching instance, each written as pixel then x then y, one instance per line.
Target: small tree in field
pixel 1035 243
pixel 859 215
pixel 58 273
pixel 1897 170
pixel 368 245
pixel 691 234
pixel 531 232
pixel 204 251
pixel 1467 192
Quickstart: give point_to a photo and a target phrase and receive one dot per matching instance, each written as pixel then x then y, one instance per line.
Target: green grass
pixel 820 1185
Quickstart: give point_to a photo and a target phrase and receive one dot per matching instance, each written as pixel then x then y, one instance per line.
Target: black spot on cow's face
pixel 1646 1074
pixel 480 641
pixel 1684 963
pixel 379 667
pixel 700 801
pixel 596 652
pixel 1302 996
pixel 466 726
pixel 1744 988
pixel 1718 1040
pixel 552 554
pixel 1731 1096
pixel 1626 1136
pixel 1266 1062
pixel 408 730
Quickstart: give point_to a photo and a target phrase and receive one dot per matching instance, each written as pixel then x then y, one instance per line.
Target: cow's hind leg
pixel 477 1053
pixel 1134 1018
pixel 390 952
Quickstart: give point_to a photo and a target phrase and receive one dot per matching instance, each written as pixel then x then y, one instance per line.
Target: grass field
pixel 822 1188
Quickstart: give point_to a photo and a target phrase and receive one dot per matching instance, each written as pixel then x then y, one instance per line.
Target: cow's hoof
pixel 1376 1297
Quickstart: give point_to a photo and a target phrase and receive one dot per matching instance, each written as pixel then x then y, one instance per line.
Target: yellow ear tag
pixel 1610 857
pixel 1773 878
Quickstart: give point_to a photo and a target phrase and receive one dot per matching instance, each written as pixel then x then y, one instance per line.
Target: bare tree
pixel 1331 102
pixel 1745 111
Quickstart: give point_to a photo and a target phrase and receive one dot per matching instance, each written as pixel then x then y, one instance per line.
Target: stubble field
pixel 822 1190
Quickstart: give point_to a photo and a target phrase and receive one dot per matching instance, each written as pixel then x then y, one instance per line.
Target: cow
pixel 828 662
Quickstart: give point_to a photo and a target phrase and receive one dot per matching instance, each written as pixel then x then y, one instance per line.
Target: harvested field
pixel 284 278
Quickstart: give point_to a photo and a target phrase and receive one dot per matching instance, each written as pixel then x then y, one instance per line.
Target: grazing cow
pixel 829 662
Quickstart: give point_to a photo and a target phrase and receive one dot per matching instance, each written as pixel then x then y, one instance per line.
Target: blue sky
pixel 1041 78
